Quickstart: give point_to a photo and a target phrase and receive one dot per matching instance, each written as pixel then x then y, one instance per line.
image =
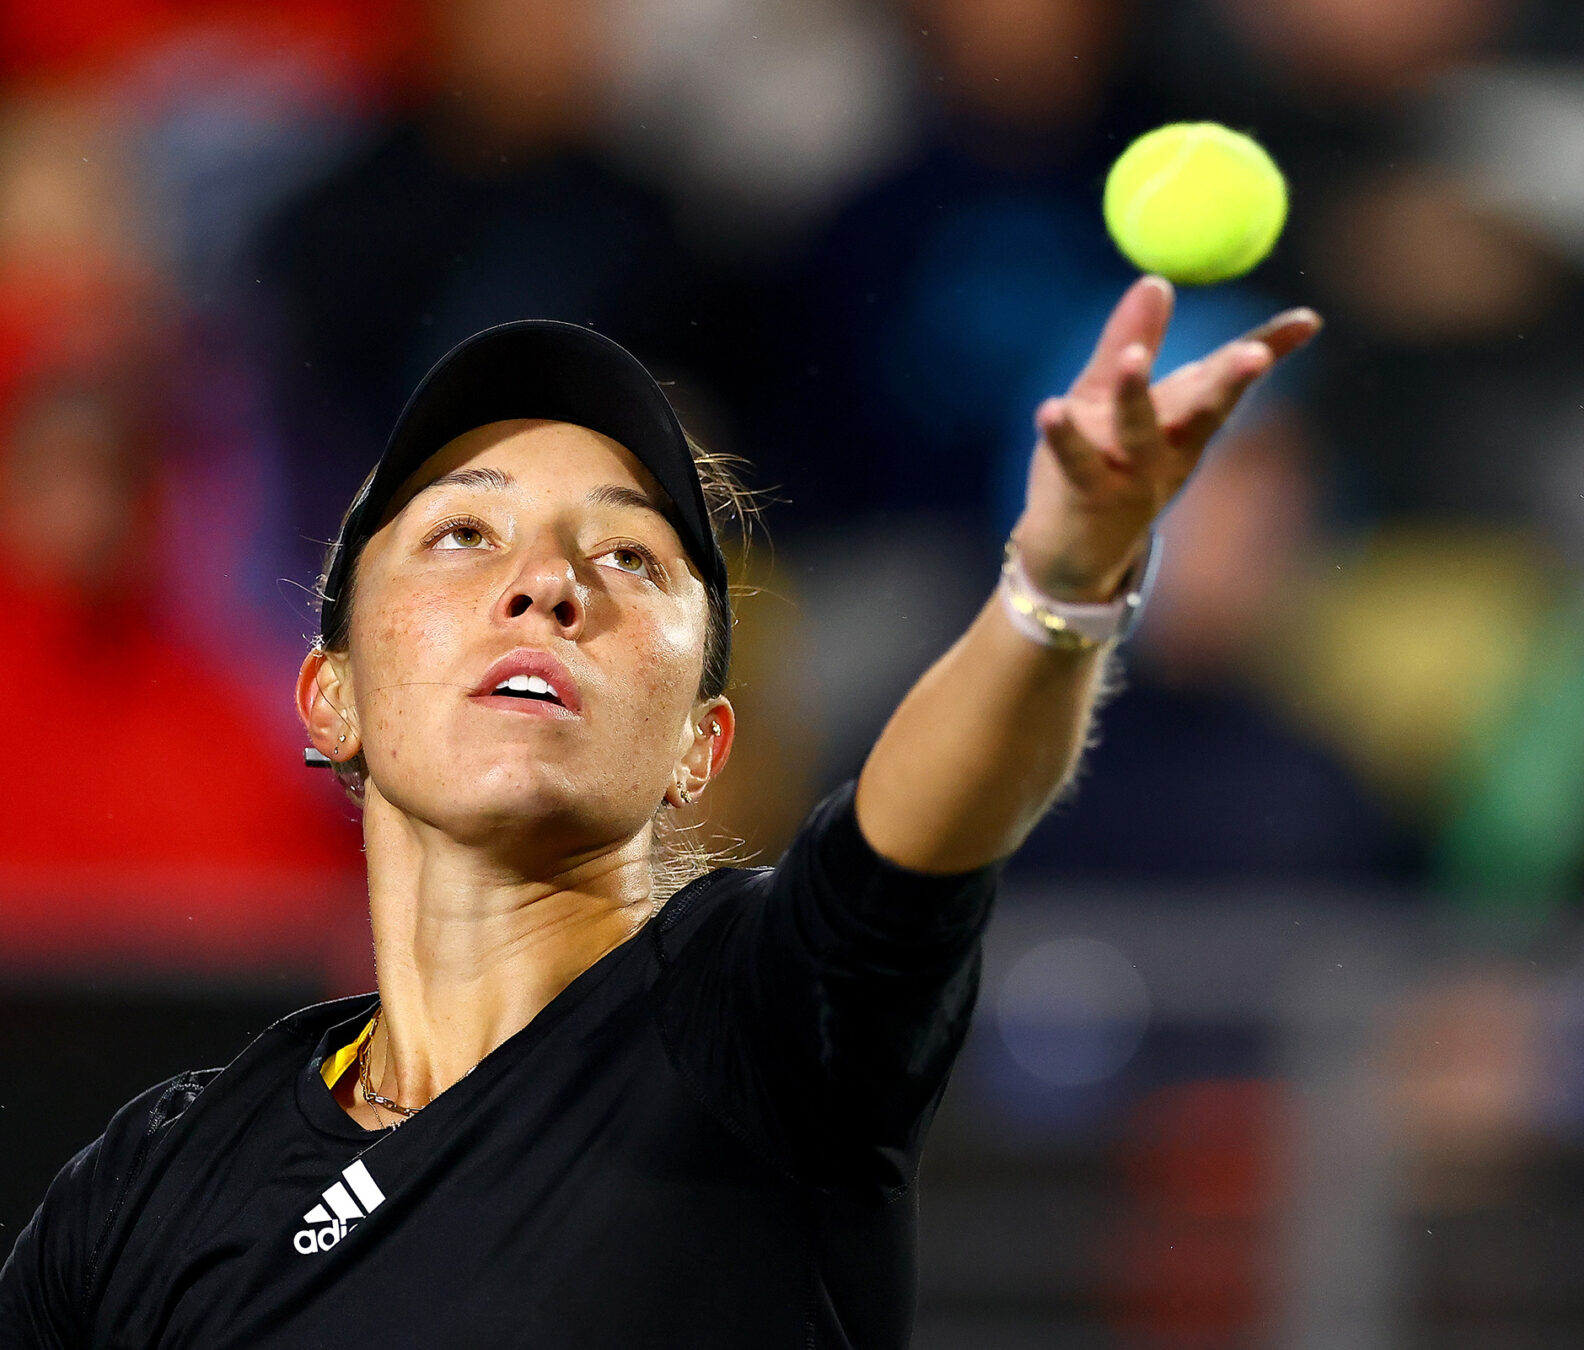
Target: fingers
pixel 1140 316
pixel 1213 392
pixel 1126 423
pixel 1196 399
pixel 1259 348
pixel 1081 460
pixel 1287 332
pixel 1137 431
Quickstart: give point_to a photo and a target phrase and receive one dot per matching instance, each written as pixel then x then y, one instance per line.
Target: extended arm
pixel 982 744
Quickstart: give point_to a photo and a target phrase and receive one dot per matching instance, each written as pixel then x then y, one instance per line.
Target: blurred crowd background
pixel 1280 1043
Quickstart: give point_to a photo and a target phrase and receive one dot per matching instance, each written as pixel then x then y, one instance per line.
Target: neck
pixel 469 948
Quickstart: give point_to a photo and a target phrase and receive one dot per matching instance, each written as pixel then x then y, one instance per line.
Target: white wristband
pixel 1075 627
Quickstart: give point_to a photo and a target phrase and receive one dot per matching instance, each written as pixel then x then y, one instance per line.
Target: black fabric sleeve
pixel 820 1004
pixel 47 1284
pixel 42 1282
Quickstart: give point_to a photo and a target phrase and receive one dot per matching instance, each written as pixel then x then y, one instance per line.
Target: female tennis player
pixel 622 1123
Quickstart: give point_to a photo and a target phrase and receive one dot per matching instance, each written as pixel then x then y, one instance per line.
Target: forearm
pixel 979 748
pixel 985 740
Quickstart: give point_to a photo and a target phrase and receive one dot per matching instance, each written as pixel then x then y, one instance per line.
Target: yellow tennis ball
pixel 1195 202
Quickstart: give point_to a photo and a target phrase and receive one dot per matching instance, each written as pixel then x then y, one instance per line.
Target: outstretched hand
pixel 1115 449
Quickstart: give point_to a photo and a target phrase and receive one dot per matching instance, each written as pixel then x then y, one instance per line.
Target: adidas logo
pixel 339 1211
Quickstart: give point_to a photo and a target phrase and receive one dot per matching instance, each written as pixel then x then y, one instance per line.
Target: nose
pixel 548 586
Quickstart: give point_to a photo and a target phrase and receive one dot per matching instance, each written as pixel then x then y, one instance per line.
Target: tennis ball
pixel 1195 202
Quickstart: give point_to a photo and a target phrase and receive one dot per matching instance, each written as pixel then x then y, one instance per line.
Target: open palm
pixel 1114 450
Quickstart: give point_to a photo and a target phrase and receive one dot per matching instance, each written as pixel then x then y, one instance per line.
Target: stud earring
pixel 684 794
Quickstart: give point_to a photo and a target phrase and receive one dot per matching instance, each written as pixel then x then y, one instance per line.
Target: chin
pixel 454 793
pixel 489 805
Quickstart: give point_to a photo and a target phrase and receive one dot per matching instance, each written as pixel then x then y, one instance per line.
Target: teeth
pixel 528 684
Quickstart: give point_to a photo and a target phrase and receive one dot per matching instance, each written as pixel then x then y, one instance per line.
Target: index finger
pixel 1140 316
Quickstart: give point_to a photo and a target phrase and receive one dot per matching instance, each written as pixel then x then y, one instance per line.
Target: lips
pixel 530 679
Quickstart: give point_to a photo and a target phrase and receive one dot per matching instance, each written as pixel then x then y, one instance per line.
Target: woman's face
pixel 533 550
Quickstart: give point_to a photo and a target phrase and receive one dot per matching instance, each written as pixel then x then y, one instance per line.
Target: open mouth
pixel 532 687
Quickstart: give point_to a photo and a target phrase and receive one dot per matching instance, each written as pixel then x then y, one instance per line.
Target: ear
pixel 712 728
pixel 323 691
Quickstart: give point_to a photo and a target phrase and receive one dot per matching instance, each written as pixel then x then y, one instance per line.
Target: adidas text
pixel 338 1211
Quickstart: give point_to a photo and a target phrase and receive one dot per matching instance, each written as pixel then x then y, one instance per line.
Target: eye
pixel 466 534
pixel 633 560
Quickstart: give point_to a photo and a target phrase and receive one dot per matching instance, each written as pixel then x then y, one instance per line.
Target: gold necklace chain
pixel 373 1098
pixel 406 1113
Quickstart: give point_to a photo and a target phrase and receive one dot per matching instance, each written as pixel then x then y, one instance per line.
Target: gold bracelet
pixel 1057 623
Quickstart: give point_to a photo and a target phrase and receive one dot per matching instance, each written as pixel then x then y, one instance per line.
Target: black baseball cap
pixel 536 368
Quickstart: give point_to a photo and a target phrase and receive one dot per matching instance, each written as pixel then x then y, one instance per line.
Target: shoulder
pixel 831 892
pixel 57 1257
pixel 50 1282
pixel 280 1051
pixel 711 897
pixel 121 1153
pixel 52 1267
pixel 112 1161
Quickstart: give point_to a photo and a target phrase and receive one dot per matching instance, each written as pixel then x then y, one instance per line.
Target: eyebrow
pixel 493 479
pixel 618 494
